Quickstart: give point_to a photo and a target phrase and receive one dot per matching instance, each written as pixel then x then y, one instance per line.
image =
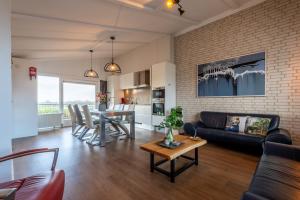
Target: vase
pixel 169 135
pixel 102 107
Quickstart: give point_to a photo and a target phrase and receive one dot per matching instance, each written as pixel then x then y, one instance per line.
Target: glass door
pixel 78 93
pixel 48 95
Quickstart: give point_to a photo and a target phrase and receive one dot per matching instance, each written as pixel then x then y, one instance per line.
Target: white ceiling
pixel 54 29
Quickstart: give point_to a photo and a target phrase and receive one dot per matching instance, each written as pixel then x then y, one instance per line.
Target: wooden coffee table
pixel 172 154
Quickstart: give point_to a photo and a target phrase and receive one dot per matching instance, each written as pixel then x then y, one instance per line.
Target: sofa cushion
pixel 277 178
pixel 218 135
pixel 45 186
pixel 12 184
pixel 236 123
pixel 257 125
pixel 218 119
pixel 214 119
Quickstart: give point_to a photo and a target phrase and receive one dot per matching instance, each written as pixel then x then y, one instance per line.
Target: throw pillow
pixel 257 126
pixel 236 123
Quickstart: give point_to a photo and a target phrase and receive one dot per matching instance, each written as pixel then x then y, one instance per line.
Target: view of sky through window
pixel 48 89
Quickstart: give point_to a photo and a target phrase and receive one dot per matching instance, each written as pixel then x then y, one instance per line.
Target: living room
pixel 175 99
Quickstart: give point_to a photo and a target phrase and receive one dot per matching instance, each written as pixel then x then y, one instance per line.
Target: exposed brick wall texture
pixel 272 26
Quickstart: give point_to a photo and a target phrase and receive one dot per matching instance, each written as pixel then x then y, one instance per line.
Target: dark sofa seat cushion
pixel 277 178
pixel 278 173
pixel 218 135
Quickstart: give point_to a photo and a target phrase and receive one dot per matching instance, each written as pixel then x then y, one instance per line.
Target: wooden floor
pixel 121 170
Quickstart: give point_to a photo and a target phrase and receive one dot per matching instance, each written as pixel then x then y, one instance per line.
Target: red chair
pixel 43 186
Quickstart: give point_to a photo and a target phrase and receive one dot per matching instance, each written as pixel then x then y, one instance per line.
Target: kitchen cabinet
pixel 163 75
pixel 127 81
pixel 114 93
pixel 135 80
pixel 142 78
pixel 158 75
pixel 143 116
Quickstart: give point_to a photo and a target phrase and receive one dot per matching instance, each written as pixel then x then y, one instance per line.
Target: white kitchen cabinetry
pixel 158 75
pixel 113 88
pixel 143 116
pixel 127 81
pixel 164 76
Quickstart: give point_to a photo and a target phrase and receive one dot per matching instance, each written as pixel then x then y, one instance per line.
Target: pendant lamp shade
pixel 90 72
pixel 112 67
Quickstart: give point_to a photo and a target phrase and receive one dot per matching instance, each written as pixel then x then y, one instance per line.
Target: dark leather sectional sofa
pixel 277 175
pixel 211 127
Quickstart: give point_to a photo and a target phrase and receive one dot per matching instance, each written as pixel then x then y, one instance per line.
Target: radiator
pixel 50 120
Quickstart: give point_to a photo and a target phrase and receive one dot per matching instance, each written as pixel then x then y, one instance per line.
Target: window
pixel 48 95
pixel 78 93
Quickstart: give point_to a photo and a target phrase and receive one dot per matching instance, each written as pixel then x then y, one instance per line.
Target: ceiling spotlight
pixel 171 3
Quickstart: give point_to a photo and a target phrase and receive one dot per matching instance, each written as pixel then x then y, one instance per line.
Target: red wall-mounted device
pixel 32 72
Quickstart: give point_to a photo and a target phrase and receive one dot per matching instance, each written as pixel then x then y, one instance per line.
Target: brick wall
pixel 273 27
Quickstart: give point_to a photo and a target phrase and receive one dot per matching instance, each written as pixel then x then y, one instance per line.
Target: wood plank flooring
pixel 120 171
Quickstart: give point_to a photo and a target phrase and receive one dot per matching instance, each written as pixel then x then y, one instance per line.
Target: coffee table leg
pixel 152 162
pixel 196 156
pixel 172 172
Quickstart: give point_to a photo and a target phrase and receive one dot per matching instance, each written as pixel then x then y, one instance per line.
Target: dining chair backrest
pixel 127 107
pixel 88 117
pixel 72 114
pixel 118 107
pixel 131 107
pixel 111 106
pixel 78 115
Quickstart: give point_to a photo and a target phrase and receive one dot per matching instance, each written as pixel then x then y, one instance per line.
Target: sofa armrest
pixel 8 194
pixel 282 150
pixel 252 196
pixel 279 136
pixel 191 127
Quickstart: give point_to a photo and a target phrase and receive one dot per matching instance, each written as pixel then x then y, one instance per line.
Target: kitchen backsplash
pixel 139 96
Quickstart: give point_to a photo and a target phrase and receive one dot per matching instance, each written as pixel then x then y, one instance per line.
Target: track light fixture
pixel 171 3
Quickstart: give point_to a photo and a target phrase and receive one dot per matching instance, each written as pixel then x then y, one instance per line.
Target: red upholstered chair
pixel 44 186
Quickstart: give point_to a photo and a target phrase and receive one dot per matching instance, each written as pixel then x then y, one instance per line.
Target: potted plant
pixel 172 122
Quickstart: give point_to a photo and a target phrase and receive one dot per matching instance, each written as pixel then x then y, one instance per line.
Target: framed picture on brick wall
pixel 241 76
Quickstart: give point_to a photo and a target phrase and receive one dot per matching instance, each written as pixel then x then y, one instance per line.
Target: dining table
pixel 110 115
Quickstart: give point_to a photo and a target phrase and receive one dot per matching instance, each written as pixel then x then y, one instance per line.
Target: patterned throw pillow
pixel 236 123
pixel 257 126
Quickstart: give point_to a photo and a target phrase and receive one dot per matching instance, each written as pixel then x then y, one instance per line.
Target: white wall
pixel 5 89
pixel 5 78
pixel 25 90
pixel 24 100
pixel 71 69
pixel 144 57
